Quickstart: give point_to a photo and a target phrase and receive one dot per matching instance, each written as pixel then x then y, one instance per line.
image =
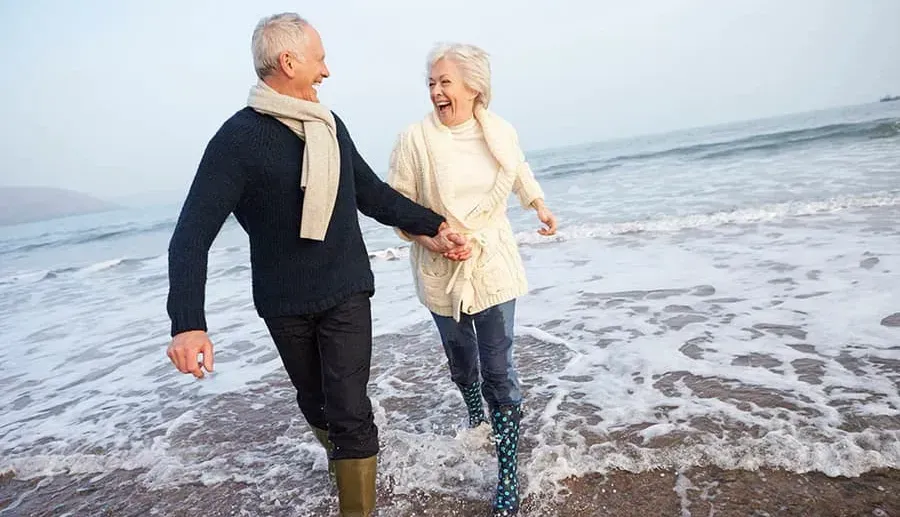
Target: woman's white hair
pixel 474 64
pixel 276 34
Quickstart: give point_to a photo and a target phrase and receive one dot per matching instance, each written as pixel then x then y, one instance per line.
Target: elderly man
pixel 288 170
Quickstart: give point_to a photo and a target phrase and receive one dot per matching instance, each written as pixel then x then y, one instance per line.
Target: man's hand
pixel 449 243
pixel 545 216
pixel 185 349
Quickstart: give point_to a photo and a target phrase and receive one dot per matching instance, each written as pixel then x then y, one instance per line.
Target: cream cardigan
pixel 422 169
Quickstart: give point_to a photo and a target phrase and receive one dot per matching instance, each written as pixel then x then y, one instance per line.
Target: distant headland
pixel 30 204
pixel 888 98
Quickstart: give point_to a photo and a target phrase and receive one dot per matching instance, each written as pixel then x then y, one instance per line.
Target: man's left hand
pixel 447 242
pixel 453 245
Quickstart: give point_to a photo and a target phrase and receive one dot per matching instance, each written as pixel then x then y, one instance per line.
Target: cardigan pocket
pixel 495 272
pixel 434 264
pixel 434 272
pixel 434 288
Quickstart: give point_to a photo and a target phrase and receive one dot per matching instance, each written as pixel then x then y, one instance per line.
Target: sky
pixel 118 98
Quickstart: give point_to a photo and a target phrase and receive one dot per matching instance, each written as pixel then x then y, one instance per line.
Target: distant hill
pixel 28 204
pixel 151 198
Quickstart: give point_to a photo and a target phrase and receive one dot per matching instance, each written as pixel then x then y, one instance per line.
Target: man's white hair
pixel 473 62
pixel 274 35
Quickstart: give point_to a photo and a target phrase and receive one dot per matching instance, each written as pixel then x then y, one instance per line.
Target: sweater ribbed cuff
pixel 433 224
pixel 428 225
pixel 185 321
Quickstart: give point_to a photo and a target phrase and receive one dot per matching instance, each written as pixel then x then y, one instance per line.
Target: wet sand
pixel 664 393
pixel 698 492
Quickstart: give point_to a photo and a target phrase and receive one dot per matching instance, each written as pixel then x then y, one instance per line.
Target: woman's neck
pixel 464 126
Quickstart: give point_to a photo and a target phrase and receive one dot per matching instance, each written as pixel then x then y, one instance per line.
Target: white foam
pixel 390 253
pixel 670 224
pixel 802 430
pixel 100 266
pixel 592 351
pixel 773 212
pixel 682 485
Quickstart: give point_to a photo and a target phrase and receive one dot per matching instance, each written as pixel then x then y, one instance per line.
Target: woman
pixel 463 162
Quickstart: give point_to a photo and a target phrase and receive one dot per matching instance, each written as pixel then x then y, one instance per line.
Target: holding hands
pixel 457 247
pixel 447 242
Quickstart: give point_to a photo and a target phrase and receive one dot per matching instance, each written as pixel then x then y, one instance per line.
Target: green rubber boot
pixel 322 436
pixel 356 486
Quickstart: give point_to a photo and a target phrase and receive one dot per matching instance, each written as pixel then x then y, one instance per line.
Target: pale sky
pixel 118 97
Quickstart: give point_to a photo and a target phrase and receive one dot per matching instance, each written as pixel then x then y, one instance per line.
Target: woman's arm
pixel 531 195
pixel 401 177
pixel 526 187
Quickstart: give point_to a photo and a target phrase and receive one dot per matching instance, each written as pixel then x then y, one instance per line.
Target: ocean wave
pixel 544 468
pixel 52 274
pixel 527 238
pixel 749 215
pixel 770 142
pixel 566 169
pixel 673 224
pixel 92 235
pixel 390 253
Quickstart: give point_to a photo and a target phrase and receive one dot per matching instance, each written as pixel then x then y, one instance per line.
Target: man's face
pixel 307 71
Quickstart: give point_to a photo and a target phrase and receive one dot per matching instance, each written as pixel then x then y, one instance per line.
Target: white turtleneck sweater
pixel 475 168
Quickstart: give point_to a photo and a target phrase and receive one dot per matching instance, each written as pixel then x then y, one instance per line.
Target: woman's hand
pixel 460 254
pixel 545 216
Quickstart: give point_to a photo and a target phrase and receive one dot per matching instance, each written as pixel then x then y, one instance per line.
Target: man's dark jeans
pixel 328 355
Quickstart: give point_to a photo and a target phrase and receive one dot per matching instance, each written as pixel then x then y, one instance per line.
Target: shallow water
pixel 676 322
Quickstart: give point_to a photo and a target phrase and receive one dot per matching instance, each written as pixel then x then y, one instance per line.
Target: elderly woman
pixel 463 162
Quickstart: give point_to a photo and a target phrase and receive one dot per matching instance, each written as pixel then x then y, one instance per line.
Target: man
pixel 288 170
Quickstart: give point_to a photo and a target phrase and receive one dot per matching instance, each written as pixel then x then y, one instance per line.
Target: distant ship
pixel 888 98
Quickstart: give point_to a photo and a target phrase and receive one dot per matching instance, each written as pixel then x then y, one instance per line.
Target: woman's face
pixel 454 102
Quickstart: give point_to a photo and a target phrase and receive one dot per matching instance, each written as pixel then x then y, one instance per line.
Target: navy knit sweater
pixel 251 168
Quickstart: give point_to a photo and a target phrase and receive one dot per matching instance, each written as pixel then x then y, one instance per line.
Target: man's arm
pixel 214 193
pixel 378 200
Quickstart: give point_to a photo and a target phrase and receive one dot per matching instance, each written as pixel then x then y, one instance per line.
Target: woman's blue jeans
pixel 481 345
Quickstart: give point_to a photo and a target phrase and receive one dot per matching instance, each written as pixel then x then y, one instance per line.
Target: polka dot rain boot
pixel 475 407
pixel 505 423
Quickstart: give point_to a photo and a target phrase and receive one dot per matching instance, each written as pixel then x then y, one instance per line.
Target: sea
pixel 723 297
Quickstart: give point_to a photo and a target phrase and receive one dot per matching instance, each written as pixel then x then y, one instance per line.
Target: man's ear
pixel 286 61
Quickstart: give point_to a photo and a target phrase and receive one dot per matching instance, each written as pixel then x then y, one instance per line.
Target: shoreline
pixel 695 492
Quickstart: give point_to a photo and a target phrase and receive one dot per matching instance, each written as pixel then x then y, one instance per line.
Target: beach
pixel 715 331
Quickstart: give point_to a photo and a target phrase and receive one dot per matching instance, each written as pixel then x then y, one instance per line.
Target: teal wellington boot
pixel 505 423
pixel 474 405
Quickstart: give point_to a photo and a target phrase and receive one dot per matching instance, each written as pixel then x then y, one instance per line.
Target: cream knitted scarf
pixel 321 167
